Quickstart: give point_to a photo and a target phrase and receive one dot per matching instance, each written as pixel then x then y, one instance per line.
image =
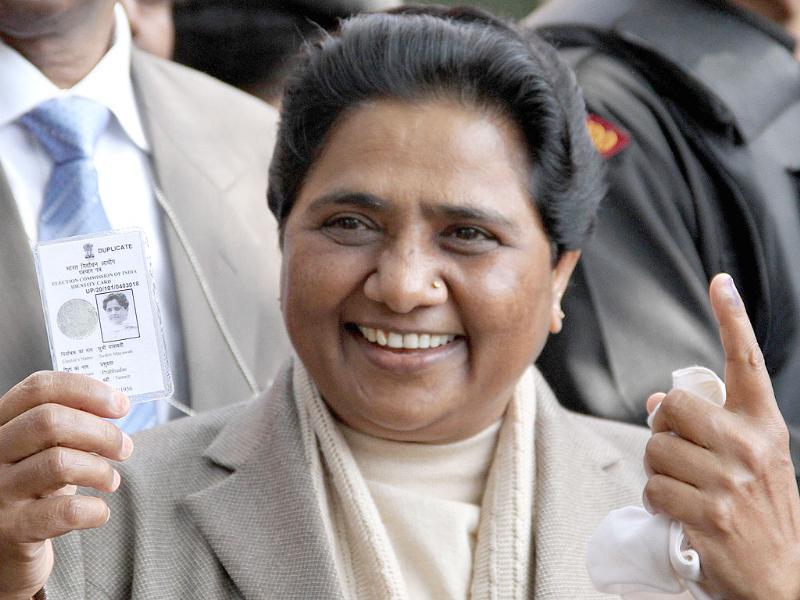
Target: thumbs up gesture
pixel 726 473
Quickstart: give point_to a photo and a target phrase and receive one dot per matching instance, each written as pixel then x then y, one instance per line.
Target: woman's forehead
pixel 432 150
pixel 461 129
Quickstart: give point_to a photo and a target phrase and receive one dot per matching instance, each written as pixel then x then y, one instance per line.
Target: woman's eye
pixel 469 234
pixel 351 230
pixel 469 239
pixel 350 223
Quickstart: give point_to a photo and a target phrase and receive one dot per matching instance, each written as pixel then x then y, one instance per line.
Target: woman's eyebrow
pixel 357 199
pixel 449 211
pixel 470 213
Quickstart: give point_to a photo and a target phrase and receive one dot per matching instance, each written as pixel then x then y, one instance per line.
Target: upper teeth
pixel 410 341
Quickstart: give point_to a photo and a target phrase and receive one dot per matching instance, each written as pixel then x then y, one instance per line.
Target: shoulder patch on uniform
pixel 607 138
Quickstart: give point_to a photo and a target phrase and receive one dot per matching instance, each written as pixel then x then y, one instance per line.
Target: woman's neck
pixel 456 471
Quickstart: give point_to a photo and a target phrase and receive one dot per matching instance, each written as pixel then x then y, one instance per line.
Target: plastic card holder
pixel 101 311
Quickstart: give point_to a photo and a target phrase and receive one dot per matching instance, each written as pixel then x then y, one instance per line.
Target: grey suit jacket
pixel 222 506
pixel 211 149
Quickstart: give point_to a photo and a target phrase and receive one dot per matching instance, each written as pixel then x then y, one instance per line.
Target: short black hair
pixel 417 53
pixel 121 299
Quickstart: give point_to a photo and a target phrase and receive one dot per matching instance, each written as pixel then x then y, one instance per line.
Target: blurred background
pixel 253 44
pixel 507 8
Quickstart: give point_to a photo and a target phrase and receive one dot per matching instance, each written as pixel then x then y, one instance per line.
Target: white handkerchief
pixel 640 556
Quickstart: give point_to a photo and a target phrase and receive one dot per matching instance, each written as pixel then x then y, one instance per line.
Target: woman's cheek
pixel 318 278
pixel 513 298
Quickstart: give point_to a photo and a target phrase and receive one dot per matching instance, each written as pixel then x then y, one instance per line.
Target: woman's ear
pixel 561 274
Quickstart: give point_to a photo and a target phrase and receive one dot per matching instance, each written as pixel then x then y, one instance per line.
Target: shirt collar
pixel 109 83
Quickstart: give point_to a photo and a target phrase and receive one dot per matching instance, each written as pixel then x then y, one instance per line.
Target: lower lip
pixel 403 361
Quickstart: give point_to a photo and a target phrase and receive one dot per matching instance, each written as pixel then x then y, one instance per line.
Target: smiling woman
pixel 433 181
pixel 404 196
pixel 435 200
pixel 430 220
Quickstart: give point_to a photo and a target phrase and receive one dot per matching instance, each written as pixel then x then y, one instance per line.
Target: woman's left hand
pixel 726 472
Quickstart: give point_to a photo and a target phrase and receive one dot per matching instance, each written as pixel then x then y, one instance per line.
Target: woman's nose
pixel 405 280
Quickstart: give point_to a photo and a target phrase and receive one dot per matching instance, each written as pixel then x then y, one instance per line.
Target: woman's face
pixel 417 279
pixel 115 312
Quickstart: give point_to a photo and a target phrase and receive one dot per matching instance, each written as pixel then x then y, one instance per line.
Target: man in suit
pixel 183 157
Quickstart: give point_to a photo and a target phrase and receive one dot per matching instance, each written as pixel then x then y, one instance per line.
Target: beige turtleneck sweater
pixel 421 514
pixel 429 498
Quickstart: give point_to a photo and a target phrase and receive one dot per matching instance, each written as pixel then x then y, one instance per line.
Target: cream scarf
pixel 365 560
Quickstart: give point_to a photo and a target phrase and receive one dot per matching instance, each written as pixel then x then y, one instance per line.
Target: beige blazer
pixel 211 149
pixel 222 506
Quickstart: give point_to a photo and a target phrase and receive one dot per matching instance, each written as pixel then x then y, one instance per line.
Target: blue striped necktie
pixel 68 129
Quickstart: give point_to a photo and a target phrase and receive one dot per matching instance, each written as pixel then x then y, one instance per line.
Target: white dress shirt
pixel 122 160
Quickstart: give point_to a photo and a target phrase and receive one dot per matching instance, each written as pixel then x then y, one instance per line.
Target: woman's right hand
pixel 53 437
pixel 726 473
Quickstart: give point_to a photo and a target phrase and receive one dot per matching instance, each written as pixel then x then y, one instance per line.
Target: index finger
pixel 749 388
pixel 69 389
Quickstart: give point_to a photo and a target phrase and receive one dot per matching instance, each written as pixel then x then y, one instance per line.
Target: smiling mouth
pixel 404 341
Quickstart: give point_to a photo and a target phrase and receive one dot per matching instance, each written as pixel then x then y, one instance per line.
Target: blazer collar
pixel 174 125
pixel 575 471
pixel 196 169
pixel 263 521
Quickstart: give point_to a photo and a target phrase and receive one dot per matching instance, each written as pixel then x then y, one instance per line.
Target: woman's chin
pixel 399 394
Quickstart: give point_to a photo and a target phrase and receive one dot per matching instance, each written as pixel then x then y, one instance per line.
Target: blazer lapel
pixel 577 483
pixel 222 239
pixel 21 317
pixel 263 522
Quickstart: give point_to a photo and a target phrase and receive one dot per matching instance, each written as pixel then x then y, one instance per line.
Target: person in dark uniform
pixel 696 107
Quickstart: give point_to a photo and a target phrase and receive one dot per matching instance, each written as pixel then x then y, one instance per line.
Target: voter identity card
pixel 101 313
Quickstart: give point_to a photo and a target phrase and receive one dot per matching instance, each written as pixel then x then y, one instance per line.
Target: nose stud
pixel 436 284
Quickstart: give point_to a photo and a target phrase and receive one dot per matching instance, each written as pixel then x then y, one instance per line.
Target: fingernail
pixel 117 480
pixel 731 293
pixel 646 504
pixel 127 445
pixel 108 514
pixel 652 415
pixel 120 401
